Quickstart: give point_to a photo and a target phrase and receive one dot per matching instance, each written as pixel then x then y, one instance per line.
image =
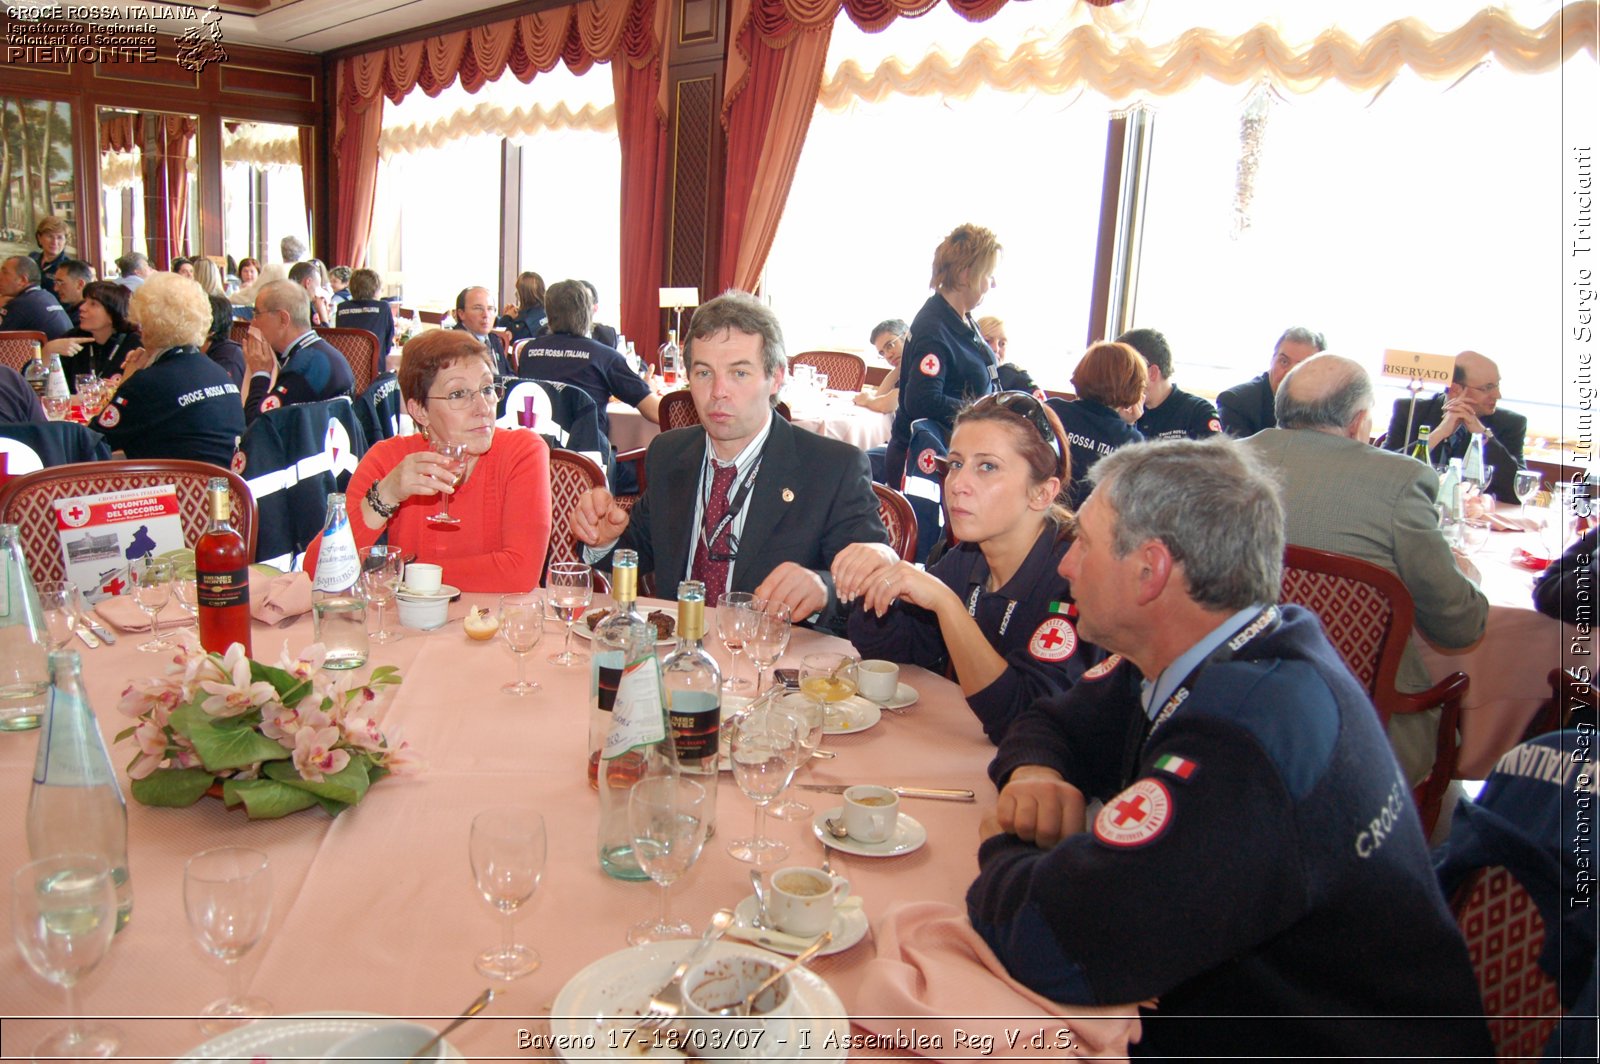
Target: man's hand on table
pixel 1038 806
pixel 794 586
pixel 597 519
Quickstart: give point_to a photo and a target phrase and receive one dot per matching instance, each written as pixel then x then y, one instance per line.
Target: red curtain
pixel 308 181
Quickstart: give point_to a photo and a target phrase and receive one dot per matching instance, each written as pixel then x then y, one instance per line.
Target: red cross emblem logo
pixel 927 462
pixel 240 460
pixel 929 365
pixel 1053 640
pixel 114 586
pixel 271 402
pixel 110 416
pixel 1214 425
pixel 1135 816
pixel 1104 668
pixel 75 516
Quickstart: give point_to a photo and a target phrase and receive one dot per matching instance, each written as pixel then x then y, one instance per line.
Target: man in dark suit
pixel 475 317
pixel 1246 409
pixel 746 501
pixel 1468 408
pixel 286 360
pixel 26 305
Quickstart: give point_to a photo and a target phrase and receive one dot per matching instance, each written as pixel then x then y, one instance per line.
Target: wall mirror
pixel 36 172
pixel 267 183
pixel 149 172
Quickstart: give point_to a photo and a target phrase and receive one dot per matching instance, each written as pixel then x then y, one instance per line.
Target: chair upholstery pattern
pixel 27 501
pixel 571 475
pixel 1505 935
pixel 895 511
pixel 239 331
pixel 1366 617
pixel 677 410
pixel 846 371
pixel 16 347
pixel 360 349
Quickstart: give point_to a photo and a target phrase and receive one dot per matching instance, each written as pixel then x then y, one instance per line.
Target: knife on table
pixel 941 793
pixel 102 631
pixel 87 636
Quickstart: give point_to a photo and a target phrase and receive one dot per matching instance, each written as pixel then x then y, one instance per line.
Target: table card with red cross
pixel 101 533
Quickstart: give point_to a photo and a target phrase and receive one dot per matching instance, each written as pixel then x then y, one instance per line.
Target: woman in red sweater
pixel 503 501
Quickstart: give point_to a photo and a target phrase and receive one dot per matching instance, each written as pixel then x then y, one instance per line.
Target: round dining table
pixel 375 911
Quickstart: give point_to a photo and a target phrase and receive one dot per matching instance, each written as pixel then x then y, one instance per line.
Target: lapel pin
pixel 788 495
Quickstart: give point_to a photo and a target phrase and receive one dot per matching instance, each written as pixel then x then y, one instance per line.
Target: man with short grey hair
pixel 293 249
pixel 133 268
pixel 1343 495
pixel 287 361
pixel 1246 409
pixel 1256 847
pixel 569 354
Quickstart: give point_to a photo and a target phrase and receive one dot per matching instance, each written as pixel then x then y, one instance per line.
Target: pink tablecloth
pixel 835 417
pixel 1508 666
pixel 376 911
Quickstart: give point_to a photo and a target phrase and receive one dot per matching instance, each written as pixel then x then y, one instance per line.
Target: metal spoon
pixel 479 1003
pixel 761 898
pixel 836 828
pixel 743 1008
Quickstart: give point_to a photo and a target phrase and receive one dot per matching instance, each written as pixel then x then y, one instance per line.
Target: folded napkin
pixel 934 972
pixel 275 598
pixel 124 614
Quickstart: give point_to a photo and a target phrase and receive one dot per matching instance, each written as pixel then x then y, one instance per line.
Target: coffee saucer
pixel 849 927
pixel 445 591
pixel 908 836
pixel 904 695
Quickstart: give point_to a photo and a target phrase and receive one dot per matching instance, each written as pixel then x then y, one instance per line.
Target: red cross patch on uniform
pixel 271 402
pixel 110 416
pixel 929 365
pixel 1214 425
pixel 1136 816
pixel 238 463
pixel 1053 640
pixel 927 461
pixel 1105 668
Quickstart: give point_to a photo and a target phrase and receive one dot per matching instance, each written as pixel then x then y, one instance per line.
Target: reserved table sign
pixel 1418 366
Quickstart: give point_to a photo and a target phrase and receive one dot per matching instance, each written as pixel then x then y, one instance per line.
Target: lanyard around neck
pixel 735 504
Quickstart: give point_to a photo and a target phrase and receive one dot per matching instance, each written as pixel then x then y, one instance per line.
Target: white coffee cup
pixel 878 680
pixel 423 577
pixel 723 981
pixel 801 901
pixel 871 813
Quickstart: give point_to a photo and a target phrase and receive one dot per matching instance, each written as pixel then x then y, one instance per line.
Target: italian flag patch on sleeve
pixel 1180 767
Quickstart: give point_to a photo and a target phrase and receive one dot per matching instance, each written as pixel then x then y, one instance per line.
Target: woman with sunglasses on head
pixel 1110 381
pixel 995 608
pixel 503 498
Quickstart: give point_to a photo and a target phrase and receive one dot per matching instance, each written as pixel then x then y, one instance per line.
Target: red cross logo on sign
pixel 1053 640
pixel 75 515
pixel 1135 816
pixel 114 586
pixel 929 365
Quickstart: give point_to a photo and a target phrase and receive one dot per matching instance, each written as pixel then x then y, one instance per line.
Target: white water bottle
pixel 339 611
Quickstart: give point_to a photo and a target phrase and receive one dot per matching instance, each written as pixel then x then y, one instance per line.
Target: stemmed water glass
pixel 507 850
pixel 187 592
pixel 570 589
pixel 380 575
pixel 667 817
pixel 735 621
pixel 1525 484
pixel 763 748
pixel 227 896
pixel 61 604
pixel 152 590
pixel 810 716
pixel 521 626
pixel 63 916
pixel 768 638
pixel 455 462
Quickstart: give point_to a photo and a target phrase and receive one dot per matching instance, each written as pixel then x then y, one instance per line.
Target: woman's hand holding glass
pixel 454 461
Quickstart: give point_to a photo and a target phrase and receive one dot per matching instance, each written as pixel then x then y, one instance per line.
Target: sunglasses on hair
pixel 1028 407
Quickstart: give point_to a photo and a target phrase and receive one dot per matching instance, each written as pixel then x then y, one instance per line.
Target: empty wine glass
pixel 763 750
pixel 187 592
pixel 1525 484
pixel 62 605
pixel 521 626
pixel 830 677
pixel 569 589
pixel 56 406
pixel 507 849
pixel 152 590
pixel 810 716
pixel 63 916
pixel 735 619
pixel 455 456
pixel 1474 534
pixel 667 817
pixel 227 896
pixel 768 638
pixel 380 575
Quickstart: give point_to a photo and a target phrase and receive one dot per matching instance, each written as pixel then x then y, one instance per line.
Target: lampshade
pixel 678 298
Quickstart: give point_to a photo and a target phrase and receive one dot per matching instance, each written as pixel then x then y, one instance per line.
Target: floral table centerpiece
pixel 276 738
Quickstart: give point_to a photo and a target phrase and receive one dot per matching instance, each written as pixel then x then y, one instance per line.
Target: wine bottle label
pixel 231 587
pixel 696 719
pixel 608 678
pixel 636 717
pixel 338 566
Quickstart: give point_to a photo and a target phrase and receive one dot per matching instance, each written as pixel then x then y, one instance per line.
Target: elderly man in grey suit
pixel 1343 495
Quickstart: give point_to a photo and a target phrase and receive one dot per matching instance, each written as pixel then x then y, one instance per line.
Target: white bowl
pixel 391 1043
pixel 423 613
pixel 719 982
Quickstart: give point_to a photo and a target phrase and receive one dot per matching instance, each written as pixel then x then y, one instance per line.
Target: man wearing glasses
pixel 1468 408
pixel 286 360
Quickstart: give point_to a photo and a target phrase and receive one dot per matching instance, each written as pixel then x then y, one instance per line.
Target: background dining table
pixel 376 911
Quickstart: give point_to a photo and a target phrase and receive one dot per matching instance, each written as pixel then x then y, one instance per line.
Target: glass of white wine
pixel 63 916
pixel 455 460
pixel 569 588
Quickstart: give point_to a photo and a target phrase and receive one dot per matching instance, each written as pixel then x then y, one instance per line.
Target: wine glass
pixel 56 406
pixel 152 590
pixel 763 749
pixel 227 896
pixel 735 619
pixel 521 626
pixel 1525 485
pixel 768 638
pixel 1474 534
pixel 187 592
pixel 809 714
pixel 830 677
pixel 507 849
pixel 380 575
pixel 455 463
pixel 63 916
pixel 667 817
pixel 61 604
pixel 570 588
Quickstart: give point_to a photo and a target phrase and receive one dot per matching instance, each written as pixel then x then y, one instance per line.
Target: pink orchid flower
pixel 153 697
pixel 363 733
pixel 306 665
pixel 239 696
pixel 402 759
pixel 152 741
pixel 314 755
